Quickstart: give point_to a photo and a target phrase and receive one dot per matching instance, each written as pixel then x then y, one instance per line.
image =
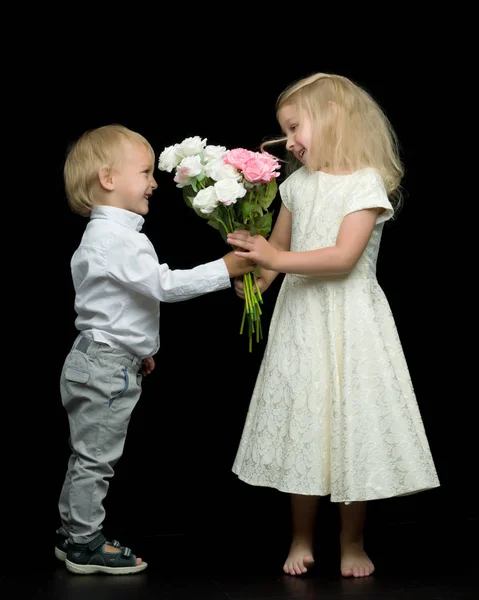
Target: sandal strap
pixel 96 542
pixel 125 551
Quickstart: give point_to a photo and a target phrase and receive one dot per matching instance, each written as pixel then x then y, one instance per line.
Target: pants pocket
pixel 120 381
pixel 77 368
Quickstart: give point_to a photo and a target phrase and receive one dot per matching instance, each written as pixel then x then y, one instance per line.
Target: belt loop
pixel 83 344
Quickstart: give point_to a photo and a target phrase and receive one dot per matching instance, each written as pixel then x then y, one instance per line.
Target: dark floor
pixel 436 566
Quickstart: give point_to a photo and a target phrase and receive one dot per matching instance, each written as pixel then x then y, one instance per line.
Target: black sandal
pixel 61 544
pixel 87 559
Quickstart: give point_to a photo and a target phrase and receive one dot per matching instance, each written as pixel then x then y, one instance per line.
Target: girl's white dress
pixel 333 410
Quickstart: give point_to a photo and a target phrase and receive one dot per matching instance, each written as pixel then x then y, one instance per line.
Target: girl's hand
pixel 261 282
pixel 255 247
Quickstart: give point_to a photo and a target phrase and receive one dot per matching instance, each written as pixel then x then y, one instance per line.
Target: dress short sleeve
pixel 284 191
pixel 368 191
pixel 291 185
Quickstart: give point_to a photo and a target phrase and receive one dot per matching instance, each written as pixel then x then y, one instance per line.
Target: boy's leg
pixel 63 503
pixel 100 388
pixel 303 511
pixel 354 560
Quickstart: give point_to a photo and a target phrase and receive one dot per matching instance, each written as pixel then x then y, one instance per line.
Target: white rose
pixel 217 170
pixel 213 152
pixel 181 180
pixel 169 159
pixel 206 200
pixel 228 191
pixel 191 166
pixel 191 146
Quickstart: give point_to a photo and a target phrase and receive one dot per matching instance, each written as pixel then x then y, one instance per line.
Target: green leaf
pixel 201 176
pixel 193 183
pixel 200 214
pixel 248 210
pixel 213 223
pixel 263 224
pixel 260 194
pixel 209 217
pixel 268 194
pixel 188 195
pixel 239 225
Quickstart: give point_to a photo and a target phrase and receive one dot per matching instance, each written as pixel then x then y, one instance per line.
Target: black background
pixel 175 476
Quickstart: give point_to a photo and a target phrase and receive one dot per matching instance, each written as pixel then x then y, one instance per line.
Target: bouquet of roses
pixel 231 189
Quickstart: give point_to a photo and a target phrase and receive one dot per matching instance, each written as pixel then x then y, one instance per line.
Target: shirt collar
pixel 120 215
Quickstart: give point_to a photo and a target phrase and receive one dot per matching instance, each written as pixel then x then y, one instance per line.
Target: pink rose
pixel 237 157
pixel 273 158
pixel 260 168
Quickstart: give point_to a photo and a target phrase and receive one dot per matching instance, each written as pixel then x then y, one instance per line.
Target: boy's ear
pixel 105 176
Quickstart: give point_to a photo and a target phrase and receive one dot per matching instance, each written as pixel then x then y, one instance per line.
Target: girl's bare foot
pixel 300 559
pixel 354 561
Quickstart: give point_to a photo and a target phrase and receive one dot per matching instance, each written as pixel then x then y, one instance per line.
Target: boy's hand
pixel 238 266
pixel 147 366
pixel 262 283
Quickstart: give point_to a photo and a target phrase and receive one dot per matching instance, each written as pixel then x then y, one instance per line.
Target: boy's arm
pixel 136 266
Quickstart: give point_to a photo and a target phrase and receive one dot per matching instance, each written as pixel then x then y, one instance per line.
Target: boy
pixel 119 285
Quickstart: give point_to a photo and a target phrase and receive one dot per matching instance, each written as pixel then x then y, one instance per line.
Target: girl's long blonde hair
pixel 350 129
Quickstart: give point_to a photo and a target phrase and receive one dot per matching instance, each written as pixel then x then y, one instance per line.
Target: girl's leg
pixel 300 558
pixel 354 561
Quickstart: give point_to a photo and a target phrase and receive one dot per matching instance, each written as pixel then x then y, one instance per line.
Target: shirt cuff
pixel 219 274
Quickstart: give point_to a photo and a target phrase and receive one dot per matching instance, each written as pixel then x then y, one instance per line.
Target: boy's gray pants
pixel 100 387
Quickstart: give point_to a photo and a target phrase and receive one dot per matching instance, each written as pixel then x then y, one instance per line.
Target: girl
pixel 333 411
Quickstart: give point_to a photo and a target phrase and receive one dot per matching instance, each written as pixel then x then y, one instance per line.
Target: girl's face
pixel 298 128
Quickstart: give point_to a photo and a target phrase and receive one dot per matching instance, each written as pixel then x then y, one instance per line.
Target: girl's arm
pixel 351 242
pixel 280 239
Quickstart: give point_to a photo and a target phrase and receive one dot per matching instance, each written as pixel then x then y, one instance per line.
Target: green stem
pixel 247 293
pixel 222 223
pixel 258 291
pixel 231 221
pixel 243 319
pixel 252 311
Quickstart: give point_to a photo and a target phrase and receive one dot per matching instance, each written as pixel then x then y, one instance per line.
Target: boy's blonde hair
pixel 93 150
pixel 351 130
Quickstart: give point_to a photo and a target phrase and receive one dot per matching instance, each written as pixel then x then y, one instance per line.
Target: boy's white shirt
pixel 119 282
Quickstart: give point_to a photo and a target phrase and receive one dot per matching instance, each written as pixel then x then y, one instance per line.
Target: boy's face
pixel 133 179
